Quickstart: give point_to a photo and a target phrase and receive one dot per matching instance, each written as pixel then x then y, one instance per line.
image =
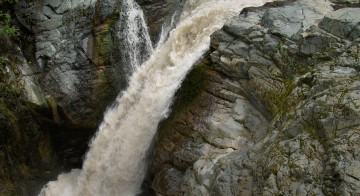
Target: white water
pixel 135 42
pixel 115 164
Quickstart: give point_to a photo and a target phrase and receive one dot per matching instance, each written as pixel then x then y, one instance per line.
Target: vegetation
pixel 5 23
pixel 5 27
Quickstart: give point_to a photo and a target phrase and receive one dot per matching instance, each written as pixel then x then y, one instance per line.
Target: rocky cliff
pixel 57 78
pixel 273 109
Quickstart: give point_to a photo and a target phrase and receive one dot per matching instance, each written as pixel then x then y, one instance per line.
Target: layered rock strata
pixel 274 109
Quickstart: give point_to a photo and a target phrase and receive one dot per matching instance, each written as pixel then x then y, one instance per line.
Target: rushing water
pixel 115 163
pixel 135 42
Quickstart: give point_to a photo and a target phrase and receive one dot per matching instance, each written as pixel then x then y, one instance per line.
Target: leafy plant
pixel 2 60
pixel 13 1
pixel 5 27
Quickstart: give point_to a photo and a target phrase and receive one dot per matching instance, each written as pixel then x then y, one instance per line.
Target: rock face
pixel 77 45
pixel 26 158
pixel 57 79
pixel 75 42
pixel 272 110
pixel 72 55
pixel 160 14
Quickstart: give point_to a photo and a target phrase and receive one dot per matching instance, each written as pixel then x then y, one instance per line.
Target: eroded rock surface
pixel 273 109
pixel 57 78
pixel 78 50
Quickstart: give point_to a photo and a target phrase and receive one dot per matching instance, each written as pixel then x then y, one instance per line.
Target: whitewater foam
pixel 115 163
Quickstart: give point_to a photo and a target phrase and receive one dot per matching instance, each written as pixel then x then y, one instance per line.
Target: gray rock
pixel 160 14
pixel 345 1
pixel 53 3
pixel 108 7
pixel 64 7
pixel 283 118
pixel 62 78
pixel 69 70
pixel 322 45
pixel 271 44
pixel 240 49
pixel 350 58
pixel 48 12
pixel 344 160
pixel 173 179
pixel 238 26
pixel 33 91
pixel 220 35
pixel 300 15
pixel 343 23
pixel 50 24
pixel 355 33
pixel 45 49
pixel 286 21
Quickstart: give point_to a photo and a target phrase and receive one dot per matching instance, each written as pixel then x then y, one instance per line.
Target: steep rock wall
pixel 273 109
pixel 57 78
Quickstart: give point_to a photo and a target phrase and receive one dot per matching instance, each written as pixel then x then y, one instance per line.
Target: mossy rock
pixel 194 84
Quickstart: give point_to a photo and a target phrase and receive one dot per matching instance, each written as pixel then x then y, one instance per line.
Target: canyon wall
pixel 273 109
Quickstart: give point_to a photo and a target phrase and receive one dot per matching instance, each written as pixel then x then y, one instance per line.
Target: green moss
pixel 102 94
pixel 195 82
pixel 5 25
pixel 278 103
pixel 106 46
pixel 7 188
pixel 342 95
pixel 20 132
pixel 314 133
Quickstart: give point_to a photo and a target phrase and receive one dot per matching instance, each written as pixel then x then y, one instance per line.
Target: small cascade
pixel 135 42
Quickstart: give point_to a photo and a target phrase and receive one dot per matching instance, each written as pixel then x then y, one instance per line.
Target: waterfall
pixel 135 43
pixel 115 163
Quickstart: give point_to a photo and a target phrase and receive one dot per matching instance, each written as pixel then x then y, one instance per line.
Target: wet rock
pixel 25 151
pixel 108 8
pixel 160 15
pixel 76 43
pixel 64 72
pixel 238 26
pixel 172 183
